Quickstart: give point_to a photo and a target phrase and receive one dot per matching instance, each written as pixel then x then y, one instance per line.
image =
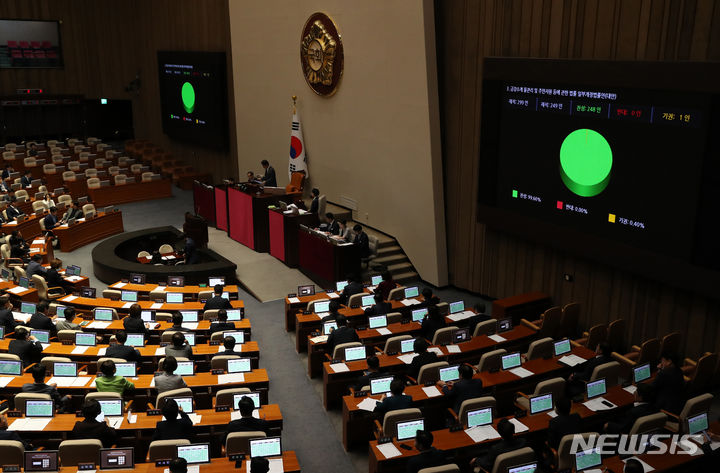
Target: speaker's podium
pixel 284 228
pixel 324 259
pixel 248 215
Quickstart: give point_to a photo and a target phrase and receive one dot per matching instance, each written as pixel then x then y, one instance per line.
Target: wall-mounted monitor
pixel 30 44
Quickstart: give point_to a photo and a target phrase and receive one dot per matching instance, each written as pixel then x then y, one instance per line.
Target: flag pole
pixel 294 99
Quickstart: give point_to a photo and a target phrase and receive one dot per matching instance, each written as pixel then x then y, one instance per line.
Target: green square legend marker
pixel 514 193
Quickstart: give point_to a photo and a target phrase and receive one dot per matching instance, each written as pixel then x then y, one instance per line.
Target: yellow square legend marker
pixel 611 218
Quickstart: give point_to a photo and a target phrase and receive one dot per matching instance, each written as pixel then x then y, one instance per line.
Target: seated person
pixel 463 389
pixel 26 179
pixel 354 286
pixel 429 298
pixel 177 320
pixel 7 319
pixel 54 279
pixel 433 322
pixel 583 372
pixel 423 357
pixel 342 334
pixel 178 465
pixel 133 323
pixel 480 316
pixel 35 266
pixel 173 427
pixel 564 424
pixel 25 346
pixel 246 422
pixel 346 232
pixel 217 301
pixel 109 382
pixel 12 212
pixel 331 225
pixel 40 320
pixel 428 455
pixel 508 443
pixel 222 324
pixel 379 308
pixel 669 383
pixel 386 285
pixel 120 350
pixel 66 323
pixel 398 400
pixel 179 347
pixel 90 428
pixel 644 406
pixel 6 434
pixel 39 386
pixel 73 212
pixel 333 311
pixel 167 380
pixel 259 465
pixel 229 344
pixel 372 372
pixel 51 219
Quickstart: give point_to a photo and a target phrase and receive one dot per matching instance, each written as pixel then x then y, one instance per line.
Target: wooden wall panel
pixel 488 262
pixel 106 42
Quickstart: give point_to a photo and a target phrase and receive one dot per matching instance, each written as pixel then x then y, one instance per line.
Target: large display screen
pixel 193 96
pixel 30 43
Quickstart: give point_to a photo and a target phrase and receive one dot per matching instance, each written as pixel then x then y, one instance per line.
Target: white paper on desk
pixel 81 381
pixel 101 351
pixel 594 470
pixel 319 339
pixel 384 331
pixel 190 325
pixel 466 314
pixel 572 360
pixel 190 469
pixel 159 289
pixel 99 324
pixel 294 300
pixel 368 404
pixel 31 424
pixel 231 378
pixel 409 302
pixel 132 418
pixel 14 222
pixel 521 372
pixel 552 414
pixel 79 350
pixel 631 389
pixel 21 317
pixel 482 432
pixel 156 305
pixel 276 465
pixel 333 295
pixel 389 450
pixel 322 314
pixel 519 426
pixel 115 422
pixel 35 250
pixel 598 405
pixel 407 358
pixel 62 381
pixel 127 305
pixel 5 380
pixel 339 367
pixel 16 289
pixel 195 418
pixel 45 346
pixel 436 350
pixel 64 225
pixel 497 338
pixel 453 348
pixel 119 285
pixel 645 466
pixel 431 391
pixel 73 278
pixel 160 351
pixel 38 241
pixel 69 298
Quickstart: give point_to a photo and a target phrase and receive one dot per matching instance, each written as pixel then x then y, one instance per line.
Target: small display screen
pixel 39 408
pixel 215 280
pixel 407 430
pixel 587 459
pixel 85 339
pixel 456 307
pixel 234 315
pixel 354 353
pixel 104 314
pixel 184 403
pixel 596 388
pixel 321 307
pixel 340 285
pixel 111 407
pixel 189 315
pixel 267 447
pixel 10 367
pixel 641 373
pixel 239 365
pixel 450 373
pixel 185 368
pixel 64 369
pixel 698 423
pixel 174 297
pixel 117 458
pixel 126 370
pixel 407 346
pixel 511 361
pixel 419 314
pixel 147 315
pixel 255 396
pixel 193 454
pixel 129 296
pixel 541 403
pixel 177 281
pixel 367 301
pixel 27 307
pixel 380 385
pixel 480 417
pixel 329 327
pixel 562 347
pixel 42 336
pixel 46 460
pixel 239 336
pixel 411 292
pixel 375 280
pixel 135 340
pixel 378 321
pixel 136 278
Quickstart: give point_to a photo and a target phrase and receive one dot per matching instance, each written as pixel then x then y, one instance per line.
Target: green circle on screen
pixel 188 97
pixel 585 162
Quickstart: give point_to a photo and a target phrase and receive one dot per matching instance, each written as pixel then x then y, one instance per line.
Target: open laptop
pixel 10 367
pixel 461 335
pixel 380 385
pixel 41 460
pixel 355 353
pixel 641 373
pixel 185 368
pixel 587 459
pixel 215 280
pixel 234 315
pixel 308 290
pixel 411 292
pixel 378 321
pixel 189 315
pixel 375 280
pixel 174 297
pixel 265 447
pixel 73 270
pixel 137 278
pixel 322 307
pixel 340 285
pixel 126 369
pixel 111 407
pixel 541 403
pixel 27 307
pixel 185 403
pixel 561 347
pixel 457 306
pixel 697 423
pixel 408 429
pixel 129 296
pixel 42 336
pixel 85 339
pixel 176 281
pixel 105 315
pixel 90 292
pixel 239 365
pixel 478 417
pixel 23 282
pixel 194 453
pixel 254 395
pixel 238 335
pixel 418 315
pixel 526 468
pixel 60 311
pixel 511 360
pixel 2 332
pixel 328 327
pixel 135 340
pixel 117 458
pixel 367 301
pixel 147 315
pixel 39 408
pixel 65 368
pixel 450 373
pixel 407 346
pixel 504 325
pixel 595 388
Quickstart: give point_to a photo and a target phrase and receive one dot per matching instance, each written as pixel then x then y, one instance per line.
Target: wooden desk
pixel 77 188
pixel 132 192
pixel 203 326
pixel 30 227
pixel 44 248
pixel 169 259
pixel 189 290
pixel 284 234
pixel 324 261
pixel 89 303
pixel 82 233
pixel 27 295
pixel 300 303
pixel 248 218
pixel 530 305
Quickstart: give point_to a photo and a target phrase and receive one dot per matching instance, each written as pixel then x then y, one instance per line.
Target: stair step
pixel 391 259
pixel 406 277
pixel 400 267
pixel 387 243
pixel 389 250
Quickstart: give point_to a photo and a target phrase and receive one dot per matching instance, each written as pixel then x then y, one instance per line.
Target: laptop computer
pixel 504 325
pixel 65 368
pixel 85 339
pixel 526 468
pixel 126 369
pixel 194 453
pixel 189 315
pixel 587 459
pixel 407 346
pixel 239 365
pixel 367 301
pixel 641 373
pixel 321 307
pixel 41 460
pixel 10 367
pixel 147 315
pixel 90 292
pixel 23 282
pixel 238 335
pixel 185 368
pixel 561 347
pixel 135 340
pixel 117 458
pixel 234 315
pixel 129 296
pixel 105 315
pixel 176 281
pixel 254 395
pixel 39 408
pixel 308 290
pixel 215 280
pixel 478 417
pixel 697 423
pixel 266 447
pixel 60 311
pixel 380 385
pixel 328 327
pixel 375 280
pixel 185 403
pixel 511 360
pixel 137 278
pixel 174 297
pixel 28 307
pixel 408 429
pixel 42 336
pixel 457 306
pixel 378 321
pixel 450 373
pixel 355 353
pixel 418 315
pixel 111 407
pixel 411 292
pixel 541 403
pixel 340 285
pixel 461 335
pixel 595 388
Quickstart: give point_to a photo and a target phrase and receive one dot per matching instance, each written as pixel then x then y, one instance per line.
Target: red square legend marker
pixel 559 204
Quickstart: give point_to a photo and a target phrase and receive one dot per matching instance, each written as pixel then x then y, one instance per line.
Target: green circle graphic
pixel 585 162
pixel 188 97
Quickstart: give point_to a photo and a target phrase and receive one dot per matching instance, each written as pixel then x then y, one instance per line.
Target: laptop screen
pixel 234 315
pixel 418 315
pixel 329 327
pixel 2 332
pixel 238 365
pixel 112 458
pixel 35 408
pixel 411 292
pixel 10 367
pixel 321 307
pixel 85 339
pixel 378 321
pixel 527 468
pixel 641 373
pixel 354 353
pixel 367 301
pixel 450 373
pixel 189 315
pixel 458 306
pixel 541 403
pixel 480 417
pixel 126 370
pixel 407 430
pixel 375 280
pixel 511 361
pixel 215 280
pixel 698 423
pixel 380 385
pixel 137 278
pixel 225 295
pixel 340 285
pixel 64 368
pixel 239 336
pixel 174 297
pixel 90 292
pixel 195 453
pixel 185 368
pixel 45 460
pixel 504 325
pixel 190 337
pixel 147 316
pixel 587 459
pixel 255 396
pixel 308 290
pixel 407 346
pixel 461 335
pixel 111 407
pixel 104 314
pixel 265 447
pixel 27 307
pixel 60 311
pixel 135 340
pixel 596 388
pixel 562 347
pixel 184 403
pixel 23 282
pixel 129 296
pixel 177 281
pixel 42 336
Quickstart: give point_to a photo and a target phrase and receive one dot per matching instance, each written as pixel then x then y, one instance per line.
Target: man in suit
pixel 6 316
pixel 433 322
pixel 508 443
pixel 246 422
pixel 120 350
pixel 133 323
pixel 480 316
pixel 40 319
pixel 221 324
pixel 11 211
pixel 379 308
pixel 268 179
pixel 25 346
pixel 229 344
pixel 217 301
pixel 428 298
pixel 73 212
pixel 429 456
pixel 35 266
pixel 5 186
pixel 33 151
pixel 372 372
pixel 423 357
pixel 333 227
pixel 398 400
pixel 90 428
pixel 177 320
pixel 564 424
pixel 333 313
pixel 190 251
pixel 39 387
pixel 361 241
pixel 342 334
pixel 178 465
pixel 51 219
pixel 463 389
pixel 172 427
pixel 315 204
pixel 644 406
pixel 26 180
pixel 669 384
pixel 583 372
pixel 6 172
pixel 354 286
pixel 53 278
pixel 66 323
